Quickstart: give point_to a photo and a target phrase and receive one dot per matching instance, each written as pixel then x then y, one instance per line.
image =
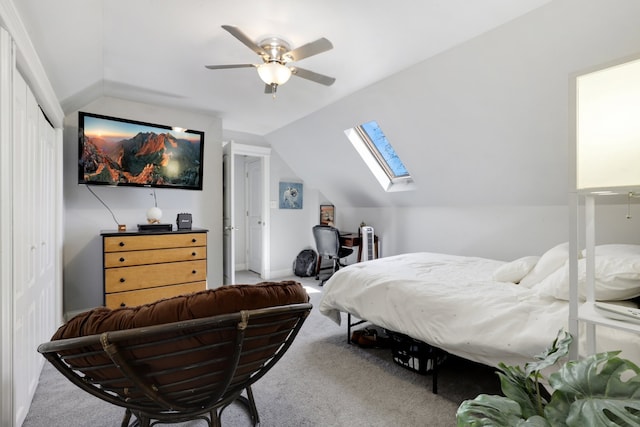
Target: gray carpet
pixel 321 380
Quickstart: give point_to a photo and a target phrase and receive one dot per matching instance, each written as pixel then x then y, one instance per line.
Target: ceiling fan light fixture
pixel 274 73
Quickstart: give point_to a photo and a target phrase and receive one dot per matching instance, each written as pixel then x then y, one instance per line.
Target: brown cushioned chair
pixel 182 358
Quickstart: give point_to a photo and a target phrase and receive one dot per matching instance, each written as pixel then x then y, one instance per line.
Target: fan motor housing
pixel 275 47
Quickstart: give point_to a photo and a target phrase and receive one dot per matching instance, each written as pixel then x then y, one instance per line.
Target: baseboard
pixel 287 272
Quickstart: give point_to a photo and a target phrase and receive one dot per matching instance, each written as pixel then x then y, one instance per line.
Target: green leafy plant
pixel 599 390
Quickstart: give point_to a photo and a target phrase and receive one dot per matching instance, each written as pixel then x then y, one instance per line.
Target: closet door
pixel 34 217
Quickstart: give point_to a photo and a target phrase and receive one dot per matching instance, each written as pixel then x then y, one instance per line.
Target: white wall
pixel 85 216
pixel 290 228
pixel 499 232
pixel 483 128
pixel 485 123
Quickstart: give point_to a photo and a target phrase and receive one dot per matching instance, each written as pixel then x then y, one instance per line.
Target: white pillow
pixel 617 278
pixel 549 262
pixel 515 270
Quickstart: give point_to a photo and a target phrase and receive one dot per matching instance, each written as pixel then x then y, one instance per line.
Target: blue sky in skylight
pixel 384 148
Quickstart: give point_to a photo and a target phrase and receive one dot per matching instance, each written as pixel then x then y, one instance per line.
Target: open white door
pixel 230 150
pixel 255 222
pixel 229 250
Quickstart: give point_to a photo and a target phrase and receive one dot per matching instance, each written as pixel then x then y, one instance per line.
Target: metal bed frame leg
pixel 437 354
pixel 439 357
pixel 434 374
pixel 349 325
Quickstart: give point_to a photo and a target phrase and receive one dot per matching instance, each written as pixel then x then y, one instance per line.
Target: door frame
pixel 250 190
pixel 228 229
pixel 233 149
pixel 6 230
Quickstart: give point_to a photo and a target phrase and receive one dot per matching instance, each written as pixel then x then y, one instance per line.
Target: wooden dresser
pixel 143 267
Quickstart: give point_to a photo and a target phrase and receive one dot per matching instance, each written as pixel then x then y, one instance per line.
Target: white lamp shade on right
pixel 608 127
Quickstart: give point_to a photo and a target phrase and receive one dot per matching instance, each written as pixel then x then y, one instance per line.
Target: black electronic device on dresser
pixel 155 227
pixel 184 221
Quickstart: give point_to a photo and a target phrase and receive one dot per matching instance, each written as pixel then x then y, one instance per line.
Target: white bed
pixel 469 306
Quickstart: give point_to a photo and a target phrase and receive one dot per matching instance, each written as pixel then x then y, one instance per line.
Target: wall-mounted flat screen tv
pixel 116 151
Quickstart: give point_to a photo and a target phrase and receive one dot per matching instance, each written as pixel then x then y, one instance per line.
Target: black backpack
pixel 305 263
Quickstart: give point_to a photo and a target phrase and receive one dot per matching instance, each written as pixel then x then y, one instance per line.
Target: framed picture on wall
pixel 327 214
pixel 291 195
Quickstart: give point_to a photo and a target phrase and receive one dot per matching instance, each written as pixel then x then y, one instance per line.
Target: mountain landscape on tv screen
pixel 146 159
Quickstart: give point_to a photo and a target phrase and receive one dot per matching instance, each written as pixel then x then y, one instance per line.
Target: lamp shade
pixel 608 127
pixel 274 73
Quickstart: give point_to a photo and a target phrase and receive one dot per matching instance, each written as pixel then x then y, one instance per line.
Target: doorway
pixel 248 237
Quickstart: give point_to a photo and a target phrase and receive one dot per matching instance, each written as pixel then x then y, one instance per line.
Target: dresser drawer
pixel 140 268
pixel 145 296
pixel 153 241
pixel 147 276
pixel 128 258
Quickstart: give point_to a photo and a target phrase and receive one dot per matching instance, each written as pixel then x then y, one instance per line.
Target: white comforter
pixel 450 302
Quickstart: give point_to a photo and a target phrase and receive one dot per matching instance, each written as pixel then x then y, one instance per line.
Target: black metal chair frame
pixel 235 351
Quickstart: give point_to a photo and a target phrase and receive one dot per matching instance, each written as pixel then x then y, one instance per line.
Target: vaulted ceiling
pixel 154 51
pixel 473 95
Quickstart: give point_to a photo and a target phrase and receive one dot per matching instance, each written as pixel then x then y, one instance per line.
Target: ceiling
pixel 154 51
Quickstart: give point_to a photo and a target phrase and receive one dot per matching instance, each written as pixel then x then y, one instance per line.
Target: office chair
pixel 328 246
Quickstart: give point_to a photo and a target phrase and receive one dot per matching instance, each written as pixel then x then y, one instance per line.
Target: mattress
pixel 453 302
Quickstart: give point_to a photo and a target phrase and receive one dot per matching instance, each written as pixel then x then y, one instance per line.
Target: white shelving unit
pixel 584 311
pixel 605 138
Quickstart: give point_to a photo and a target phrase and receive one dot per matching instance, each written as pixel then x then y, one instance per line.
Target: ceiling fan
pixel 276 55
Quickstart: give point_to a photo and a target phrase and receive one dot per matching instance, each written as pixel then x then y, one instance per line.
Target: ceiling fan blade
pixel 309 49
pixel 313 76
pixel 223 67
pixel 237 33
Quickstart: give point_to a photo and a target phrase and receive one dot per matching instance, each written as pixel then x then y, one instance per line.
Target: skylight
pixel 378 154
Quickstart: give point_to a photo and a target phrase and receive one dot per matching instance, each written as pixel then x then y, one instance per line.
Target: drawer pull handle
pixel 122 280
pixel 193 254
pixel 121 259
pixel 194 272
pixel 193 240
pixel 123 304
pixel 121 244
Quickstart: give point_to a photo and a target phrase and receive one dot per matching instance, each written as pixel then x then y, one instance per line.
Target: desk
pixel 351 240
